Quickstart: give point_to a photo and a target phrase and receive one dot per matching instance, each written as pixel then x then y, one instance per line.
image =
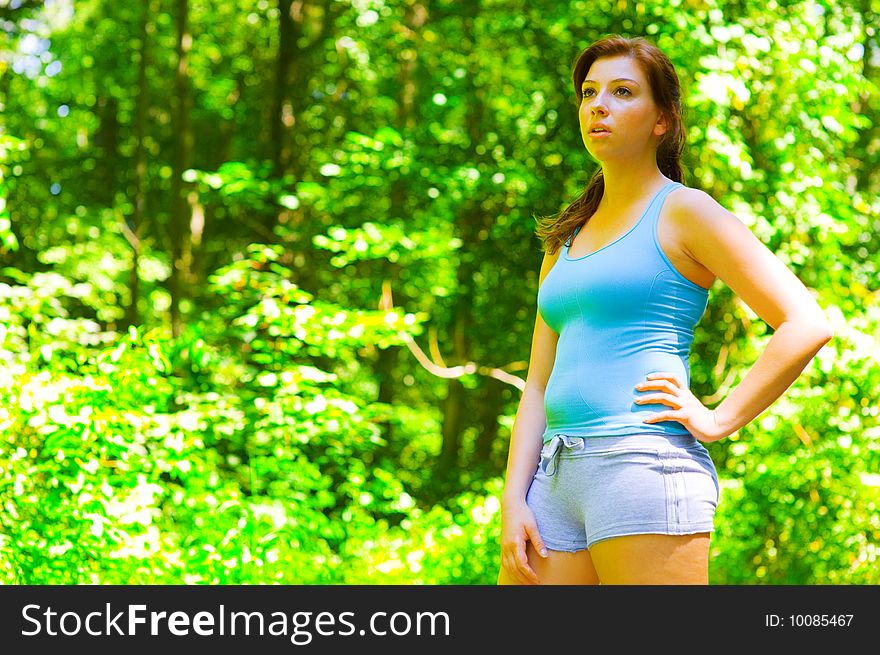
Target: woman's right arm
pixel 525 448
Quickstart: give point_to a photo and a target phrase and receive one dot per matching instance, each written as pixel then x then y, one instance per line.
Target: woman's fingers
pixel 516 563
pixel 534 536
pixel 523 564
pixel 657 398
pixel 514 571
pixel 511 568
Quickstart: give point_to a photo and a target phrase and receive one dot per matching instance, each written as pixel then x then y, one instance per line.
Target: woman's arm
pixel 525 445
pixel 530 423
pixel 788 352
pixel 518 524
pixel 722 243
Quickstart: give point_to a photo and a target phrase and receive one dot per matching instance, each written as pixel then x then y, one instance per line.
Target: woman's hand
pixel 686 409
pixel 517 527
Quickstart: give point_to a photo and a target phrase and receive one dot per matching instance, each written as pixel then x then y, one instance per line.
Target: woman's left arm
pixel 722 243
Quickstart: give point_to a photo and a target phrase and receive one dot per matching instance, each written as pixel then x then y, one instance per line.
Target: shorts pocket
pixel 702 456
pixel 692 487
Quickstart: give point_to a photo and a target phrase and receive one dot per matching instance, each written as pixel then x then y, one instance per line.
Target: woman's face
pixel 624 106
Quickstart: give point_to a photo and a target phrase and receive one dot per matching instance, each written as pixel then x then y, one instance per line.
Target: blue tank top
pixel 621 312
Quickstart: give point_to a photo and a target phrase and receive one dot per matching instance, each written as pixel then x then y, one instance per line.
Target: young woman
pixel 607 479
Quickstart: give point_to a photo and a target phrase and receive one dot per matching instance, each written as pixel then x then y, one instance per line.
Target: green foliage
pixel 801 490
pixel 8 145
pixel 378 187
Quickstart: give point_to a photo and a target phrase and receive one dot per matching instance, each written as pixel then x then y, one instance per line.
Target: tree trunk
pixel 179 221
pixel 490 407
pixel 132 226
pixel 414 19
pixel 282 114
pixel 468 228
pixel 107 139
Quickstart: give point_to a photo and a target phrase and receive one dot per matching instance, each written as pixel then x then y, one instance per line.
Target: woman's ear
pixel 662 125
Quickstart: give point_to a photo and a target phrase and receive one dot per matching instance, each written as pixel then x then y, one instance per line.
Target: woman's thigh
pixel 653 559
pixel 558 568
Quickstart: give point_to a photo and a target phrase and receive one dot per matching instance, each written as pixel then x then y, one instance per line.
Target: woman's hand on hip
pixel 686 409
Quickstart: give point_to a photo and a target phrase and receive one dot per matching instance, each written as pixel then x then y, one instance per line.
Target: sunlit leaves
pixel 416 150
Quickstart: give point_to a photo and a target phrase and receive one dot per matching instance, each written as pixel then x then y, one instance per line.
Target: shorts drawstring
pixel 550 451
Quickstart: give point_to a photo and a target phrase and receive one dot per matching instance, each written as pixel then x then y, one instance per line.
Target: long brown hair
pixel 554 230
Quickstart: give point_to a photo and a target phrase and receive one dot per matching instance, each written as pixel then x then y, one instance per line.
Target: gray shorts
pixel 587 489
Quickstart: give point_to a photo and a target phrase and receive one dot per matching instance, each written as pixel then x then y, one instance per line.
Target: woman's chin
pixel 598 156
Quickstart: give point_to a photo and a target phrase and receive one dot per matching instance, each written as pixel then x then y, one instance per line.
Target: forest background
pixel 268 274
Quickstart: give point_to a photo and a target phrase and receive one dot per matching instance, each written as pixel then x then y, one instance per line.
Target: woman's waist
pixel 635 439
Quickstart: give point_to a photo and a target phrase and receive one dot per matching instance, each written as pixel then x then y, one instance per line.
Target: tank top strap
pixel 571 238
pixel 653 211
pixel 647 225
pixel 659 197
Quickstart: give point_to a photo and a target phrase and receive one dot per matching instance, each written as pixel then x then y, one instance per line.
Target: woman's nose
pixel 598 103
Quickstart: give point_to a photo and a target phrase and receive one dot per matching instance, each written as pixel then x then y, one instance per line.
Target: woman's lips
pixel 599 135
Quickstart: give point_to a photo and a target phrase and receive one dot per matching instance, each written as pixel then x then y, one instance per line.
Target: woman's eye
pixel 620 88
